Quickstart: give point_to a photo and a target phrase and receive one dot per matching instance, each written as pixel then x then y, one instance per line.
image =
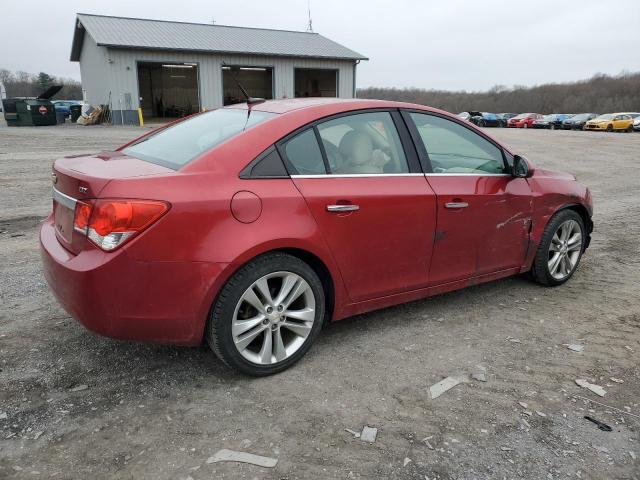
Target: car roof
pixel 292 104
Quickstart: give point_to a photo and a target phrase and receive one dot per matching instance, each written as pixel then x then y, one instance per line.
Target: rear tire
pixel 272 307
pixel 629 129
pixel 560 249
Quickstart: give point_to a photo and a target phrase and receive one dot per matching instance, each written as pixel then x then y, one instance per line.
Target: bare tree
pixel 599 94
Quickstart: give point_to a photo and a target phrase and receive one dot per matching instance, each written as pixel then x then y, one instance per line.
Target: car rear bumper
pixel 115 295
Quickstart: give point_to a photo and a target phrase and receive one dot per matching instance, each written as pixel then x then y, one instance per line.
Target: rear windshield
pixel 177 145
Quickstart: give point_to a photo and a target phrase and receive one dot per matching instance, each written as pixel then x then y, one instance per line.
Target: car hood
pixel 557 175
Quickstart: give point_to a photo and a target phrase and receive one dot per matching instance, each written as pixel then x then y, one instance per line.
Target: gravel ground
pixel 74 405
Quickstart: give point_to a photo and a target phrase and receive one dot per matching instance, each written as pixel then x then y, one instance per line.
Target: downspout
pixel 355 64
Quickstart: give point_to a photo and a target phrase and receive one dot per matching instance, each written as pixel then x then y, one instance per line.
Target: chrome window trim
pixel 360 175
pixel 372 175
pixel 467 174
pixel 63 199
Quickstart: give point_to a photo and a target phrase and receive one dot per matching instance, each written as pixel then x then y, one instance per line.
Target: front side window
pixel 177 145
pixel 453 148
pixel 363 143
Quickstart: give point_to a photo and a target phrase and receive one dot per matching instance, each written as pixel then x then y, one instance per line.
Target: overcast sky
pixel 454 44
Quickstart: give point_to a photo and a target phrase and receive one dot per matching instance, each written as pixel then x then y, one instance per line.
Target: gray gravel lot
pixel 151 411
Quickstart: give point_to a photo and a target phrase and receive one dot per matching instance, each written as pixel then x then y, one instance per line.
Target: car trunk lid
pixel 81 178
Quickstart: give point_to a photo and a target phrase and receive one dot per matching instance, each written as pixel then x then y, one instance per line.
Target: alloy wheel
pixel 565 249
pixel 273 318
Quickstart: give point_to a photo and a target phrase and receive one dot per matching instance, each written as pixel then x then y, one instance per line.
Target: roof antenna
pixel 250 100
pixel 310 24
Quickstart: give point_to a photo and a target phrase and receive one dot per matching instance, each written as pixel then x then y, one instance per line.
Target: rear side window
pixel 177 145
pixel 304 155
pixel 453 148
pixel 363 143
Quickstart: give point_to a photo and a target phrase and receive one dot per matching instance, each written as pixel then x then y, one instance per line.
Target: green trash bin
pixel 31 111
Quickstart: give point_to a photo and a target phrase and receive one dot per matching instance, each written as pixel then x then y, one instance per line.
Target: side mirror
pixel 521 168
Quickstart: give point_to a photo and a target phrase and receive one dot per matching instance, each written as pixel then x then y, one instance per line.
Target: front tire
pixel 609 128
pixel 267 315
pixel 560 249
pixel 526 125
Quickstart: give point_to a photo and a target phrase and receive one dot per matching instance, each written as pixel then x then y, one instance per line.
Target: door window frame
pixel 406 143
pixel 423 154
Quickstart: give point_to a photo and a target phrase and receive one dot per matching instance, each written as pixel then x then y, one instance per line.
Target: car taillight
pixel 109 223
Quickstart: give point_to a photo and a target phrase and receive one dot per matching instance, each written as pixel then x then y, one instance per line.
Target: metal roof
pixel 140 33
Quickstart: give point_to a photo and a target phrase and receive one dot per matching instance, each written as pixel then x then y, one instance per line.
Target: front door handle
pixel 342 208
pixel 456 205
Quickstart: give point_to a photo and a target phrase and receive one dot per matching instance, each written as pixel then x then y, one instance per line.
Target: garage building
pixel 172 69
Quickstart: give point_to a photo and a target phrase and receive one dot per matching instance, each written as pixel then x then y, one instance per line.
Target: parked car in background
pixel 486 119
pixel 140 247
pixel 507 116
pixel 611 122
pixel 635 116
pixel 524 120
pixel 468 115
pixel 577 122
pixel 551 122
pixel 64 106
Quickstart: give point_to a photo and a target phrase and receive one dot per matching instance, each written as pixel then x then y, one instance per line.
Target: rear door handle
pixel 342 208
pixel 456 205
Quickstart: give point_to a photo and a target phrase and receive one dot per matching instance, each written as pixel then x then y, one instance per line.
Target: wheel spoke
pixel 288 284
pixel 566 265
pixel 306 315
pixel 241 326
pixel 554 263
pixel 267 348
pixel 300 329
pixel 575 241
pixel 299 289
pixel 263 288
pixel 252 299
pixel 279 350
pixel 243 341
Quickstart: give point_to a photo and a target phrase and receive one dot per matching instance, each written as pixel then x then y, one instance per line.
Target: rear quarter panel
pixel 201 229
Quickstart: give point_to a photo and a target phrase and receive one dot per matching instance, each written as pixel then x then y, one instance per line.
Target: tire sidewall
pixel 541 266
pixel 219 335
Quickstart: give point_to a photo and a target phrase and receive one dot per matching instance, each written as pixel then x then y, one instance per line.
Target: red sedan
pixel 524 120
pixel 249 227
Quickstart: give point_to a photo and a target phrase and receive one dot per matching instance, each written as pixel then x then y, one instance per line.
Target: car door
pixel 617 122
pixel 361 179
pixel 483 212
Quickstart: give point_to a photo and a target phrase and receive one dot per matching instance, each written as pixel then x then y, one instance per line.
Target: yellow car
pixel 610 122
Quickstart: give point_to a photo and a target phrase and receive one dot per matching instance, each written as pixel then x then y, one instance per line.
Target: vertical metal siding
pixel 122 77
pixel 93 72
